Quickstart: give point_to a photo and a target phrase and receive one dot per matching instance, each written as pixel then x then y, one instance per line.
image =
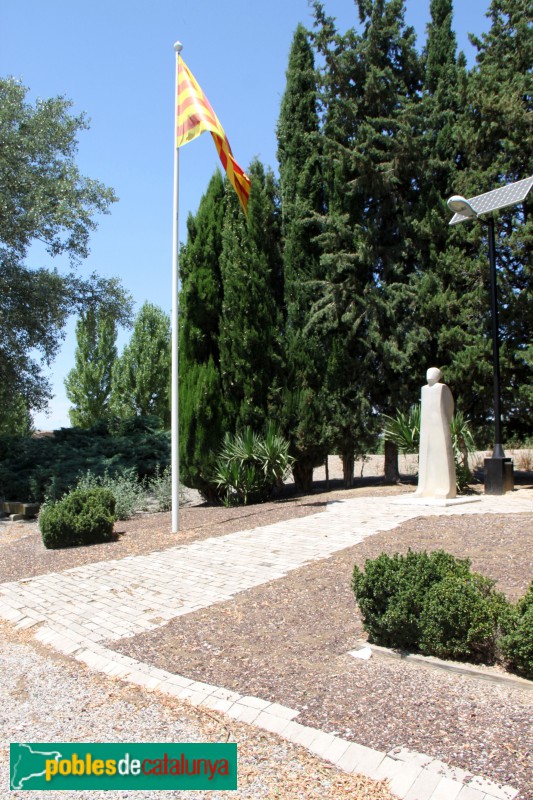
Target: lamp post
pixel 498 469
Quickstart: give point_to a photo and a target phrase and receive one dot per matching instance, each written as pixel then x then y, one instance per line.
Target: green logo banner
pixel 62 766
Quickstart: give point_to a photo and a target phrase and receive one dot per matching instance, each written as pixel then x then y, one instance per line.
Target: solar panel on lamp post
pixel 498 469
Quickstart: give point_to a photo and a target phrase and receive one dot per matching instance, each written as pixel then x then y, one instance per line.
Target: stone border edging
pixel 411 775
pixel 469 670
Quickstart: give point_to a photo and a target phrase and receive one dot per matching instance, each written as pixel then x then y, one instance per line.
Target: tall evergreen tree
pixel 370 93
pixel 88 384
pixel 302 195
pixel 499 145
pixel 449 289
pixel 202 415
pixel 250 320
pixel 141 375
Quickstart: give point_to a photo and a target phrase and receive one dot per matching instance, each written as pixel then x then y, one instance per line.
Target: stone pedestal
pixel 412 500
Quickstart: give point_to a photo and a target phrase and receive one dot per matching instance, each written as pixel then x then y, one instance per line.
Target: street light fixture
pixel 498 469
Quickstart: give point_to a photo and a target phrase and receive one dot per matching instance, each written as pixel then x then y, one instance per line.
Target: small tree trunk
pixel 303 477
pixel 348 462
pixel 392 473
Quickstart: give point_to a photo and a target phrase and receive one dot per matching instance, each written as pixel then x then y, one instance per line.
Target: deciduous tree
pixel 43 198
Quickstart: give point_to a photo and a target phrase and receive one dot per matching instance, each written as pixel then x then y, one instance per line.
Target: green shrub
pixel 391 592
pixel 250 466
pixel 161 488
pixel 32 468
pixel 128 492
pixel 433 603
pixel 517 645
pixel 462 618
pixel 81 517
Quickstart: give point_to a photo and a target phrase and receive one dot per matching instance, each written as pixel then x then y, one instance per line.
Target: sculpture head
pixel 433 376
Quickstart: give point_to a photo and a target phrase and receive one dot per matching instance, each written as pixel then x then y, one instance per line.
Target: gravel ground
pixel 46 697
pixel 285 641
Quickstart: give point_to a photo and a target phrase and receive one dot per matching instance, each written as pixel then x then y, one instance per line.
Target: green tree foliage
pixel 370 90
pixel 202 418
pixel 433 603
pixel 15 419
pixel 498 140
pixel 44 198
pixel 32 468
pixel 302 195
pixel 449 285
pixel 249 324
pixel 141 375
pixel 88 384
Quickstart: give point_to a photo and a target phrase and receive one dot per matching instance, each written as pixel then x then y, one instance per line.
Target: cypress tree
pixel 371 87
pixel 250 324
pixel 88 384
pixel 449 289
pixel 499 144
pixel 302 195
pixel 202 416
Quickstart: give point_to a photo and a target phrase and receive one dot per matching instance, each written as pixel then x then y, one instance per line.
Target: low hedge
pixel 517 645
pixel 85 516
pixel 433 604
pixel 391 593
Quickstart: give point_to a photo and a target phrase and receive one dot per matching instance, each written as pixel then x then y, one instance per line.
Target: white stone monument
pixel 436 465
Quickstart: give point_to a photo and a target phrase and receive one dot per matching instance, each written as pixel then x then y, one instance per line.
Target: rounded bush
pixel 460 619
pixel 85 516
pixel 391 592
pixel 517 645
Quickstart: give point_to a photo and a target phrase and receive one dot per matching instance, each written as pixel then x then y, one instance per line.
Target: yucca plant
pixel 273 451
pixel 249 466
pixel 404 430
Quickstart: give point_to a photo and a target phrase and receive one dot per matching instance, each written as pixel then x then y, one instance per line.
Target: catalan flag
pixel 195 115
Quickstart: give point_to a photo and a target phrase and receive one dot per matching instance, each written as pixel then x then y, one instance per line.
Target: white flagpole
pixel 174 416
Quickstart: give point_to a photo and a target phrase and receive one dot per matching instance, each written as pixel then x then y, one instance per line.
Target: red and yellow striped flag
pixel 195 115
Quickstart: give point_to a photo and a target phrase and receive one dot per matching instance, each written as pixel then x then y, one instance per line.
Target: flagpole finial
pixel 178 47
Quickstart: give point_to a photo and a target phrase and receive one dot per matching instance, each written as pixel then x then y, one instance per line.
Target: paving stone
pixel 321 743
pixel 254 702
pixel 493 790
pixel 370 762
pixel 410 756
pixel 216 703
pixel 352 757
pixel 401 775
pixel 468 793
pixel 336 749
pixel 446 789
pixel 152 683
pixel 300 734
pixel 424 786
pixel 282 711
pixel 271 723
pixel 226 694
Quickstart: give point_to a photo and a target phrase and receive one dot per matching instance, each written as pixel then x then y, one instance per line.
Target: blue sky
pixel 115 60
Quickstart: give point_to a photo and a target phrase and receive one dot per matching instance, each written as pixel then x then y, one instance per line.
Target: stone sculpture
pixel 436 466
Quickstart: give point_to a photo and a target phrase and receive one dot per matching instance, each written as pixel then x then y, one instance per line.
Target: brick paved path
pixel 80 610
